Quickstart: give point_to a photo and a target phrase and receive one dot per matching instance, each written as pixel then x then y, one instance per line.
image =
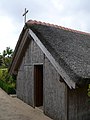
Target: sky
pixel 73 14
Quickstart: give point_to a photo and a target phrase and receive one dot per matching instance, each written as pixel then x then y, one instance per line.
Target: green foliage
pixel 5 76
pixel 7 82
pixel 1 60
pixel 6 57
pixel 89 90
pixel 9 88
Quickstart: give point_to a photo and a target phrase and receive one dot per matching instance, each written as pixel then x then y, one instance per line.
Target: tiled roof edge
pixel 31 22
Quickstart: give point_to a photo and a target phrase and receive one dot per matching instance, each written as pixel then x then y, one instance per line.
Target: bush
pixel 9 88
pixel 7 82
pixel 4 75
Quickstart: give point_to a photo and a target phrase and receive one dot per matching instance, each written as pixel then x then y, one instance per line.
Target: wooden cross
pixel 26 11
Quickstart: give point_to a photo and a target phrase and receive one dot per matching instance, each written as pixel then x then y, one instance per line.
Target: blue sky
pixel 73 14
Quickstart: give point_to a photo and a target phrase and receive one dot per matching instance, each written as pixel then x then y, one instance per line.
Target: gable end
pixel 59 69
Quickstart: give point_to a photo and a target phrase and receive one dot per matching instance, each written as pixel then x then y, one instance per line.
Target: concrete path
pixel 11 108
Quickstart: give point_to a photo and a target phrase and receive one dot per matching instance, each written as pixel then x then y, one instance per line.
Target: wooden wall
pixel 55 93
pixel 25 77
pixel 78 104
pixel 53 90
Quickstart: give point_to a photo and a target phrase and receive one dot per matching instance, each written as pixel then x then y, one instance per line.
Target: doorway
pixel 38 85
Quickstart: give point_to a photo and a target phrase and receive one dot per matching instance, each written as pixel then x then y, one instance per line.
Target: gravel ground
pixel 11 108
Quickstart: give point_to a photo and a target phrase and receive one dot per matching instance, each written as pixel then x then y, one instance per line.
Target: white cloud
pixel 7 33
pixel 73 14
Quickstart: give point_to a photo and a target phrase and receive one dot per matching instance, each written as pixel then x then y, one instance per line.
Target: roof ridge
pixel 56 26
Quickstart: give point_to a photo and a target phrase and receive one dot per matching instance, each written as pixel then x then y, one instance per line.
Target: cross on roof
pixel 26 11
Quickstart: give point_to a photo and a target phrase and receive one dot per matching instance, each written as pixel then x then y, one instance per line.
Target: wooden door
pixel 38 85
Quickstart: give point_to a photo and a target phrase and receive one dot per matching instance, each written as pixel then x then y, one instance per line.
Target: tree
pixel 1 60
pixel 6 57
